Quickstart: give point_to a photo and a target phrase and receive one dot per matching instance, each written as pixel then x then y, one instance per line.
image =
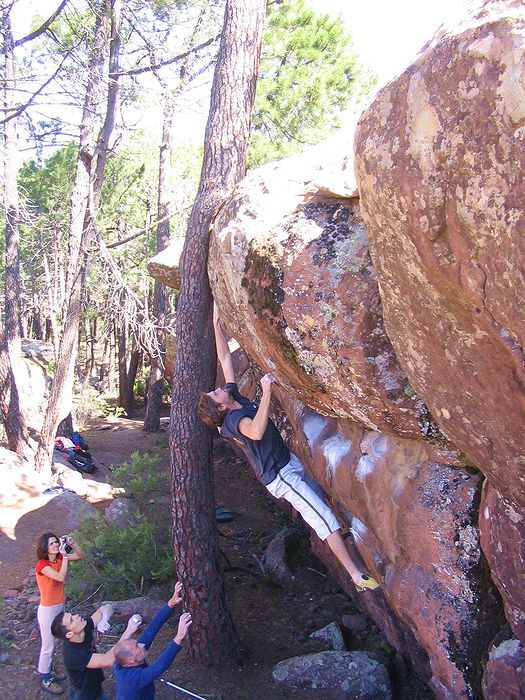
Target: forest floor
pixel 273 621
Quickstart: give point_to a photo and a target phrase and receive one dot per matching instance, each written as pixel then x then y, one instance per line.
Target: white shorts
pixel 306 496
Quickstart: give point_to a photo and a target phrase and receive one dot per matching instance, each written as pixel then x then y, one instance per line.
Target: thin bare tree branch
pixel 44 27
pixel 179 57
pixel 22 108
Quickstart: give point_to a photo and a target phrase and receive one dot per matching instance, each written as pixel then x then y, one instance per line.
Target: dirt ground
pixel 273 621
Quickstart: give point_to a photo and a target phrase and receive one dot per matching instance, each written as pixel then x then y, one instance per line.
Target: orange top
pixel 51 591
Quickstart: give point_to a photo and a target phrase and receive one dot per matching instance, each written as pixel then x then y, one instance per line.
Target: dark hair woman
pixel 51 571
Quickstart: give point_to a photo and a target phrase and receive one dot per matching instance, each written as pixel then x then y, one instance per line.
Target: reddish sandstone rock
pixel 440 159
pixel 292 276
pixel 504 675
pixel 420 541
pixel 502 534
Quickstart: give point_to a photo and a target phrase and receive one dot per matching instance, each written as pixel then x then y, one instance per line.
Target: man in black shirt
pixel 81 660
pixel 249 425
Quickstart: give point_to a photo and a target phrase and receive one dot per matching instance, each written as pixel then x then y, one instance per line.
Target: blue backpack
pixel 79 441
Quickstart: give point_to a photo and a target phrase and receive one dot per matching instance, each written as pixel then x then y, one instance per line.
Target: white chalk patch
pixel 334 450
pixel 365 467
pixel 313 426
pixel 358 529
pixel 380 445
pixel 515 517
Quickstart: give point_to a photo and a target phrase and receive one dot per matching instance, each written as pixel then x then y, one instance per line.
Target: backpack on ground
pixel 81 460
pixel 79 441
pixel 76 452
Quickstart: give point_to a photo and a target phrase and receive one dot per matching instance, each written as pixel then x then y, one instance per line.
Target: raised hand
pixel 267 381
pixel 184 625
pixel 134 623
pixel 176 598
pixel 103 625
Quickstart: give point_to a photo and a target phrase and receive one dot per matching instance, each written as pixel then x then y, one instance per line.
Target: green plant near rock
pixel 128 561
pixel 142 478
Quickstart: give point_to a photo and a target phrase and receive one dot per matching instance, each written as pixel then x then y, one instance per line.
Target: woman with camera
pixel 53 557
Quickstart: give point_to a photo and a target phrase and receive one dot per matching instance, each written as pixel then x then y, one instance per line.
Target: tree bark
pixel 61 392
pixel 160 295
pixel 52 285
pixel 37 329
pixel 212 636
pixel 11 371
pixel 127 373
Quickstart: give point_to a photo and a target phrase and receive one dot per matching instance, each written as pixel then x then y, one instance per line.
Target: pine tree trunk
pixel 160 295
pixel 59 405
pixel 37 329
pixel 90 352
pixel 112 364
pixel 52 300
pixel 11 371
pixel 123 390
pixel 212 636
pixel 134 364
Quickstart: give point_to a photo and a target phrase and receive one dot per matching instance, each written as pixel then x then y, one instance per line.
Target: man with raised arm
pixel 82 661
pixel 135 679
pixel 249 425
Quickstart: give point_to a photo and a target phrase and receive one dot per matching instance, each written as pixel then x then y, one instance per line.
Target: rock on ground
pixel 354 675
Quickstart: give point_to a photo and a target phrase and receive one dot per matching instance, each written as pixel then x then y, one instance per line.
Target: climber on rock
pixel 249 425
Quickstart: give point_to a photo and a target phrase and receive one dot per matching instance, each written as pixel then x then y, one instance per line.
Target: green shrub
pixel 121 561
pixel 90 404
pixel 127 561
pixel 142 478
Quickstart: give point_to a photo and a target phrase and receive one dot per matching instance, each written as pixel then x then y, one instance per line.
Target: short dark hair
pixel 209 411
pixel 58 629
pixel 41 545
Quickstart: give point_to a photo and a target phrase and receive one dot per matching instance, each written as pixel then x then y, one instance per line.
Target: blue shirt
pixel 138 682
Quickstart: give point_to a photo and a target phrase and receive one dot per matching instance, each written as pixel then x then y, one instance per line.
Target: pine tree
pixel 309 74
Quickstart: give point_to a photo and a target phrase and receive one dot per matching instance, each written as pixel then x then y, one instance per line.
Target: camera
pixel 63 541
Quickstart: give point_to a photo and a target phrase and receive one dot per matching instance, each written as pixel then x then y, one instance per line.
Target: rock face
pixel 440 157
pixel 120 512
pixel 504 677
pixel 414 522
pixel 413 512
pixel 393 322
pixel 331 636
pixel 502 534
pixel 36 356
pixel 276 556
pixel 298 290
pixel 165 266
